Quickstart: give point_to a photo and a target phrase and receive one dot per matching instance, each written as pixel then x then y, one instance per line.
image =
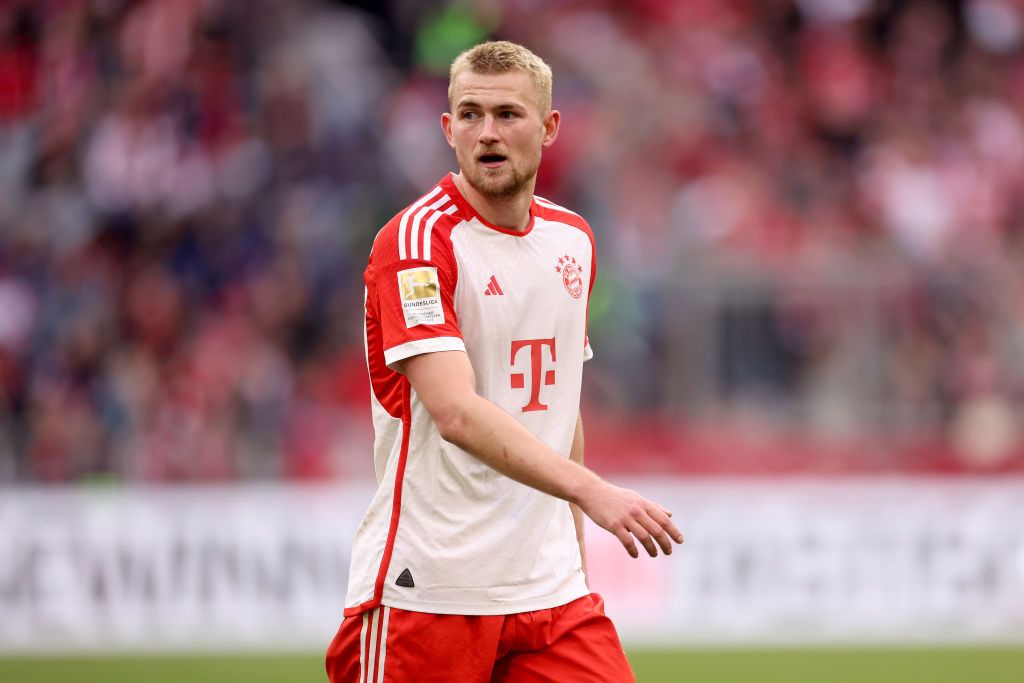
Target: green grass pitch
pixel 954 665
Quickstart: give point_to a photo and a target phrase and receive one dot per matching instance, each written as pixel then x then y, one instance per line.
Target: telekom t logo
pixel 536 358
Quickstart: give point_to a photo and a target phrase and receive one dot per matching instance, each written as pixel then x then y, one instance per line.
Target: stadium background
pixel 808 323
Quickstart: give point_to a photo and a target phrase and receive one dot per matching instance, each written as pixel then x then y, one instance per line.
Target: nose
pixel 489 131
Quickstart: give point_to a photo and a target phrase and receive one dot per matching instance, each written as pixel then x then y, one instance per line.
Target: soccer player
pixel 469 566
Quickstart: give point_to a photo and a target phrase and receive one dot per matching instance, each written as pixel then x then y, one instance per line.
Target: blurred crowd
pixel 810 219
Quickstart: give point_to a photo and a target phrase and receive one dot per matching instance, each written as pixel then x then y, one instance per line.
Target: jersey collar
pixel 448 183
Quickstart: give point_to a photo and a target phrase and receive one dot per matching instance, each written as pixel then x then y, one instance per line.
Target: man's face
pixel 497 130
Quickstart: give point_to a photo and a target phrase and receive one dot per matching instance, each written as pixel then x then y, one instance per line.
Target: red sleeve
pixel 414 297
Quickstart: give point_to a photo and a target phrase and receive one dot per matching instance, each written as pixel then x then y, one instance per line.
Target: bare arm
pixel 576 455
pixel 446 384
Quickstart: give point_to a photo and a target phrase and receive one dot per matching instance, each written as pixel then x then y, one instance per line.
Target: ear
pixel 446 126
pixel 551 123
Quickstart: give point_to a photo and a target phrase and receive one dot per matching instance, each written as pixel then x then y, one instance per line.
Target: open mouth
pixel 492 160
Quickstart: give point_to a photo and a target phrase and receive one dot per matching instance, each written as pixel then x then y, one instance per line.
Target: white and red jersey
pixel 445 533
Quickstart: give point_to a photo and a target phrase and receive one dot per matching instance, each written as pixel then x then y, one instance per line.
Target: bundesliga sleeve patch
pixel 421 296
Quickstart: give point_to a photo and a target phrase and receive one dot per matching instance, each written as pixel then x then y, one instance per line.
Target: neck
pixel 511 213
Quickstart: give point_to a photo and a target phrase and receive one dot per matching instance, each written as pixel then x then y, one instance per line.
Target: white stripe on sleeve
pixel 417 221
pixel 402 225
pixel 429 230
pixel 418 346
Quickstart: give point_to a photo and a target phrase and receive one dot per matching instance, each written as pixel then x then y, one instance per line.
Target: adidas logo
pixel 493 288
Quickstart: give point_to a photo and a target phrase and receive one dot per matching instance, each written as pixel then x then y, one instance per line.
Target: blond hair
pixel 498 57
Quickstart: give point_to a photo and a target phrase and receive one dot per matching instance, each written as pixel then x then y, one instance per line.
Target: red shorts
pixel 572 643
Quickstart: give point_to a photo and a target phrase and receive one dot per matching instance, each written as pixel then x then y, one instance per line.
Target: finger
pixel 674 532
pixel 657 532
pixel 627 542
pixel 665 523
pixel 642 535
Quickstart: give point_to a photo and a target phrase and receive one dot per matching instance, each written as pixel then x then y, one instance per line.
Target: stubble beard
pixel 499 186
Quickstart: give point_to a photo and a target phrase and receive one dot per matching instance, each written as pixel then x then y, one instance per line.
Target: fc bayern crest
pixel 572 275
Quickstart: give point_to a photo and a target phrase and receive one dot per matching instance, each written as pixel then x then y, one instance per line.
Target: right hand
pixel 628 515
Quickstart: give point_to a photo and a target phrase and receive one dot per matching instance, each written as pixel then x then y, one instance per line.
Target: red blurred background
pixel 809 222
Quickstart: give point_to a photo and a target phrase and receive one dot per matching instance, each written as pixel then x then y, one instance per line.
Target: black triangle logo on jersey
pixel 405 579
